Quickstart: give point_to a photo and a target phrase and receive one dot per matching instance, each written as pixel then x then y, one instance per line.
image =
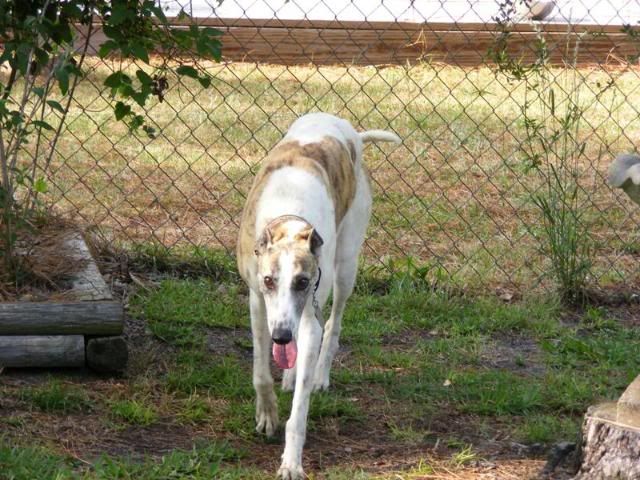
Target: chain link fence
pixel 457 197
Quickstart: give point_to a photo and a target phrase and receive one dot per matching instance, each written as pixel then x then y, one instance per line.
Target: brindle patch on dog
pixel 294 241
pixel 328 160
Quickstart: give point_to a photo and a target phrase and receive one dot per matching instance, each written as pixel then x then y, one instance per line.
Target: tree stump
pixel 611 439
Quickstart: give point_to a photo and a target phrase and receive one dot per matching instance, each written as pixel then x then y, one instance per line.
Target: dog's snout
pixel 282 336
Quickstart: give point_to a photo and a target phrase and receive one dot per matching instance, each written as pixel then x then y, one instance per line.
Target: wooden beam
pixel 298 42
pixel 42 351
pixel 370 47
pixel 107 354
pixel 65 318
pixel 404 26
pixel 87 284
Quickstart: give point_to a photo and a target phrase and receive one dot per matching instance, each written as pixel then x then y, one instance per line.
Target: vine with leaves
pixel 43 48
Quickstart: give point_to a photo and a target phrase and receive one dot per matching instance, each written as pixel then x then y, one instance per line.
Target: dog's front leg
pixel 266 404
pixel 289 379
pixel 309 336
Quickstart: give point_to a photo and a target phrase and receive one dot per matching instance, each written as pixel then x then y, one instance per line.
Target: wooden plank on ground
pixel 47 318
pixel 107 354
pixel 87 284
pixel 42 351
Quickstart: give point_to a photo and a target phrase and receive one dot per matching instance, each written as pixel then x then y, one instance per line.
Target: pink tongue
pixel 285 355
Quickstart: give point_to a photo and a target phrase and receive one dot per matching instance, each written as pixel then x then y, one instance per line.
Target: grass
pixel 179 310
pixel 57 397
pixel 429 378
pixel 26 463
pixel 222 376
pixel 135 412
pixel 195 409
pixel 420 370
pixel 546 428
pixel 456 193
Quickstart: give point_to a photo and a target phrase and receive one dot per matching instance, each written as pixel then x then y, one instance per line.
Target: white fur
pixel 292 191
pixel 379 136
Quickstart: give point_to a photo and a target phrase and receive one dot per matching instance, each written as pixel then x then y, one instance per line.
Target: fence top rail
pixel 592 12
pixel 398 25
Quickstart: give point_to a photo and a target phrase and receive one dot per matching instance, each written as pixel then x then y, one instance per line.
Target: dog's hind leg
pixel 266 404
pixel 343 286
pixel 350 239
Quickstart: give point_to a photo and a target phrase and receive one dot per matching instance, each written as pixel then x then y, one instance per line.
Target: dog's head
pixel 288 252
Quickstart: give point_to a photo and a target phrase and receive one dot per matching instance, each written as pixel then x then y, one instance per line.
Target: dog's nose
pixel 281 336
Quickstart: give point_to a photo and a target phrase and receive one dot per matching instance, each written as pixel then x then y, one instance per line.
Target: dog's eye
pixel 301 284
pixel 269 283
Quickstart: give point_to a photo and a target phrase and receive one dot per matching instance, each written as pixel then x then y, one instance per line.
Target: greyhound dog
pixel 302 228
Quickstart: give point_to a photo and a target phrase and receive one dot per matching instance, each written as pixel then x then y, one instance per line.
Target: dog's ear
pixel 263 242
pixel 315 242
pixel 313 238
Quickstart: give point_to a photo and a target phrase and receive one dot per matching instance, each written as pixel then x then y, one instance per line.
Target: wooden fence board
pixel 379 43
pixel 404 26
pixel 364 47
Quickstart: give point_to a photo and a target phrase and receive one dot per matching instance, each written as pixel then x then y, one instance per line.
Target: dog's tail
pixel 379 136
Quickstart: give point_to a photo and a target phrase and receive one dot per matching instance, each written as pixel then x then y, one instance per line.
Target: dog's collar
pixel 315 289
pixel 285 218
pixel 314 301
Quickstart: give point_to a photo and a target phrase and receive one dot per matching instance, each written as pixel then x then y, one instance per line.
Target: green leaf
pixel 116 79
pixel 212 32
pixel 40 185
pixel 55 105
pixel 139 51
pixel 39 91
pixel 41 124
pixel 144 77
pixel 187 71
pixel 136 122
pixel 22 57
pixel 106 48
pixel 205 81
pixel 16 119
pixel 120 13
pixel 41 57
pixel 157 11
pixel 126 90
pixel 140 98
pixel 63 80
pixel 7 53
pixel 121 110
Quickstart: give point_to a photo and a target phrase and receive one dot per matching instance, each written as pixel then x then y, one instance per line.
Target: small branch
pixel 56 136
pixel 30 79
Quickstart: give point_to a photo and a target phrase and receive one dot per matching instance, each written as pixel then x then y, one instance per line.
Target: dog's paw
pixel 289 380
pixel 291 472
pixel 321 382
pixel 267 417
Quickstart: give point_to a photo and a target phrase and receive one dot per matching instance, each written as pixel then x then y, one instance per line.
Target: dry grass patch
pixel 455 192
